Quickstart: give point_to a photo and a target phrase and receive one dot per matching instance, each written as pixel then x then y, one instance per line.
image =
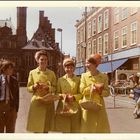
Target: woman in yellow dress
pixel 94 121
pixel 41 82
pixel 68 90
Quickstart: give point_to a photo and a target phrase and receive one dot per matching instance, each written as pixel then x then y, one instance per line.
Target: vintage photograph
pixel 70 70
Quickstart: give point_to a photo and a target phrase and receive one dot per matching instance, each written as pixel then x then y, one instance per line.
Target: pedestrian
pixel 136 92
pixel 68 90
pixel 94 121
pixel 9 97
pixel 41 82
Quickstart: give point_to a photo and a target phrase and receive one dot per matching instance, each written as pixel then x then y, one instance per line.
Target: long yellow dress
pixel 94 122
pixel 68 124
pixel 41 115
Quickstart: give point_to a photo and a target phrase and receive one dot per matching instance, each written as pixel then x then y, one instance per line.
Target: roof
pixel 36 46
pixel 9 24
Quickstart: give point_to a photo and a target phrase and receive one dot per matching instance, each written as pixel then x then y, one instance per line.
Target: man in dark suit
pixel 9 97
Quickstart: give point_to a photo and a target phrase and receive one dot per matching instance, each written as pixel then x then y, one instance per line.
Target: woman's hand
pixel 36 86
pixel 70 98
pixel 99 87
pixel 92 88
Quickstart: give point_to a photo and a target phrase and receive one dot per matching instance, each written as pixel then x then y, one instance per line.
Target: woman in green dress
pixel 41 81
pixel 68 90
pixel 94 121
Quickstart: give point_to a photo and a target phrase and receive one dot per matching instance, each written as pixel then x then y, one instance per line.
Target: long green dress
pixel 94 122
pixel 68 124
pixel 41 115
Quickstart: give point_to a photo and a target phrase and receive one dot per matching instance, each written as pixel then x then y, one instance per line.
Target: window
pixel 124 13
pixel 116 15
pixel 89 48
pixel 133 33
pixel 106 43
pixel 94 47
pixel 99 23
pixel 106 19
pixel 116 40
pixel 94 26
pixel 78 53
pixel 134 10
pixel 78 37
pixel 81 34
pixel 89 30
pixel 100 44
pixel 124 37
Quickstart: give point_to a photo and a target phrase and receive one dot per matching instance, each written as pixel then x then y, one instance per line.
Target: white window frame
pixel 124 36
pixel 99 45
pixel 116 37
pixel 94 26
pixel 106 39
pixel 78 36
pixel 124 13
pixel 89 32
pixel 82 34
pixel 116 15
pixel 94 46
pixel 134 10
pixel 106 19
pixel 134 30
pixel 89 48
pixel 100 23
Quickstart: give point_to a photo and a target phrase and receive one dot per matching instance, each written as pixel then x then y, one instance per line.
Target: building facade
pixel 112 32
pixel 16 47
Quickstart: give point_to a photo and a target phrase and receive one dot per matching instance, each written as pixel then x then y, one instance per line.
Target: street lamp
pixel 60 30
pixel 85 43
pixel 61 59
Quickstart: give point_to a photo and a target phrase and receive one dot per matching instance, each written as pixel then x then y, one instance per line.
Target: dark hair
pixel 4 64
pixel 92 60
pixel 136 78
pixel 39 53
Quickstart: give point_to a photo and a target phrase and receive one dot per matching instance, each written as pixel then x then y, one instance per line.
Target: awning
pixel 106 67
pixel 79 70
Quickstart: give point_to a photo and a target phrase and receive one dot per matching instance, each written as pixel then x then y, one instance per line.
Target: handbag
pixel 67 109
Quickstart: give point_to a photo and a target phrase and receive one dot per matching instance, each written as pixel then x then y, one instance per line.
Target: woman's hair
pixel 136 78
pixel 39 53
pixel 68 62
pixel 92 60
pixel 4 64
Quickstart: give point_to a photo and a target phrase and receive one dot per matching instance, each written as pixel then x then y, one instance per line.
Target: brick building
pixel 16 47
pixel 114 33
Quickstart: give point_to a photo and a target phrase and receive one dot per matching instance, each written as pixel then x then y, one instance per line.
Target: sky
pixel 60 17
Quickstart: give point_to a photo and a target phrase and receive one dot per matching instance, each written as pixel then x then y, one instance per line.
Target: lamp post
pixel 60 30
pixel 61 59
pixel 85 45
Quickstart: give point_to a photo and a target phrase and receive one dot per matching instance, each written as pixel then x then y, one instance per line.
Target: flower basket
pixel 90 105
pixel 67 109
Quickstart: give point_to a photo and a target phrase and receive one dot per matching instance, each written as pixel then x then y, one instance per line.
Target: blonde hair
pixel 68 61
pixel 39 53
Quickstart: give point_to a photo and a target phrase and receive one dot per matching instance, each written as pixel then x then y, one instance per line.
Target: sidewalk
pixel 120 117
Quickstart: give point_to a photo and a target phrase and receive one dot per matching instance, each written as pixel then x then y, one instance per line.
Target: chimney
pixel 21 26
pixel 41 18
